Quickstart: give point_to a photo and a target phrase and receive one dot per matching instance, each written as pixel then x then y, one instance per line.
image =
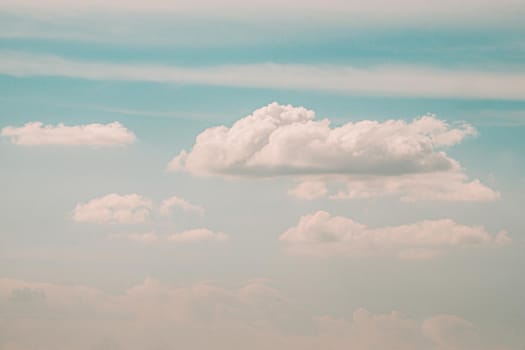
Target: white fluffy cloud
pixel 114 208
pixel 281 140
pixel 393 157
pixel 324 235
pixel 252 316
pixel 36 133
pixel 174 201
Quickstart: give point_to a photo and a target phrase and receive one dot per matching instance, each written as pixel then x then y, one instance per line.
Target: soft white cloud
pixel 36 133
pixel 251 316
pixel 188 236
pixel 363 159
pixel 324 235
pixel 413 81
pixel 282 139
pixel 174 201
pixel 114 208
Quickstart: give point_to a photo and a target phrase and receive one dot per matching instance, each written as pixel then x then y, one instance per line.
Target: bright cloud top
pixel 282 140
pixel 363 159
pixel 153 314
pixel 36 133
pixel 323 234
pixel 186 206
pixel 115 209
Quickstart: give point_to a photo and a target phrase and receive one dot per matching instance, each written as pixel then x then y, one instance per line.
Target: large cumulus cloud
pixel 283 140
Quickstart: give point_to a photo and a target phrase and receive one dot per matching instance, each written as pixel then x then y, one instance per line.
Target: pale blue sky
pixel 59 64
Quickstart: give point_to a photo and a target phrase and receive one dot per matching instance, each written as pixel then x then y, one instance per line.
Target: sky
pixel 266 174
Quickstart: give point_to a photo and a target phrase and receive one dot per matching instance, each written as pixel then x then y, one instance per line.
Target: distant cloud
pixel 115 209
pixel 363 159
pixel 392 80
pixel 174 201
pixel 196 235
pixel 36 133
pixel 157 314
pixel 322 234
pixel 309 190
pixel 188 236
pixel 439 186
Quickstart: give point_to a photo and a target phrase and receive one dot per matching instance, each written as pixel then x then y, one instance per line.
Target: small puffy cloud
pixel 282 140
pixel 186 206
pixel 115 209
pixel 370 158
pixel 36 133
pixel 309 190
pixel 322 234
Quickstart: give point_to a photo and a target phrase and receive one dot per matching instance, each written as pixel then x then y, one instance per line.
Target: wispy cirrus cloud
pixel 188 236
pixel 392 80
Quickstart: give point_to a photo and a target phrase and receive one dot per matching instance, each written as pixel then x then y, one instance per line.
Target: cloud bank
pixel 322 234
pixel 253 315
pixel 36 133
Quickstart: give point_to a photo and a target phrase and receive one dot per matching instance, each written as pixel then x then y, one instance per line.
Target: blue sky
pixel 390 220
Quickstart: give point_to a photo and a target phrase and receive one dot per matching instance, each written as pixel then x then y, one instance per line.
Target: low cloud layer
pixel 254 315
pixel 322 234
pixel 36 133
pixel 368 158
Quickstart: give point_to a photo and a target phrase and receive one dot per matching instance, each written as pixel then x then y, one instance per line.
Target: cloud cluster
pixel 322 234
pixel 394 157
pixel 114 209
pixel 253 315
pixel 36 133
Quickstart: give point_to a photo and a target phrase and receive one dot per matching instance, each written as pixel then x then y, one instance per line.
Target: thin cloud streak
pixel 401 81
